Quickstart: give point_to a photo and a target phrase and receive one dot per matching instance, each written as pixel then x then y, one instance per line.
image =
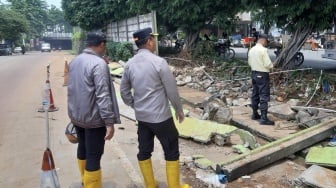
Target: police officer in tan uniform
pixel 261 65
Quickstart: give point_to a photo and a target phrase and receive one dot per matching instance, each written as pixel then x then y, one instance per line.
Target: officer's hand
pixel 109 132
pixel 179 116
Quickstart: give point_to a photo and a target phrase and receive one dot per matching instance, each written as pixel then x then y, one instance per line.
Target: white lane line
pixel 126 163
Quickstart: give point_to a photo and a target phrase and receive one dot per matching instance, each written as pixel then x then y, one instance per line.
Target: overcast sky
pixel 57 3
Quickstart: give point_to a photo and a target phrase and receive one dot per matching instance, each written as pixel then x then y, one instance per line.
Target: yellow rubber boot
pixel 173 174
pixel 147 173
pixel 93 179
pixel 81 167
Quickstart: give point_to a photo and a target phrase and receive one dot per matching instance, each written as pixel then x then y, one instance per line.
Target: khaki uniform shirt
pixel 259 60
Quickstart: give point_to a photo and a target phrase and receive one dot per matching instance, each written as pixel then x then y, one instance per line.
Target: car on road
pixel 45 47
pixel 5 49
pixel 17 50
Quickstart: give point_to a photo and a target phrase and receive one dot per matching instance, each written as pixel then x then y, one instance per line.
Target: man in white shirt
pixel 261 65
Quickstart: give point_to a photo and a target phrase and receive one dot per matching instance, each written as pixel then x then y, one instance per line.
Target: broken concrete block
pixel 223 115
pixel 324 156
pixel 220 140
pixel 240 149
pixel 317 176
pixel 282 111
pixel 203 163
pixel 248 139
pixel 114 65
pixel 188 79
pixel 117 72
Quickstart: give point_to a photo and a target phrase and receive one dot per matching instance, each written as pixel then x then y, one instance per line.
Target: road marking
pixel 126 163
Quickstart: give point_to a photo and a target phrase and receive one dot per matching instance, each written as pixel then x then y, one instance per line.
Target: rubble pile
pixel 236 92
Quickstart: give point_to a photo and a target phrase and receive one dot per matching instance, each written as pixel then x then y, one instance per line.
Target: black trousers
pixel 261 90
pixel 91 144
pixel 166 133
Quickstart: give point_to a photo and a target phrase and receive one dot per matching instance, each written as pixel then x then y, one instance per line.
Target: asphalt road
pixel 312 59
pixel 23 129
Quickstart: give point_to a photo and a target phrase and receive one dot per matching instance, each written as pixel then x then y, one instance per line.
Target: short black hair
pixel 94 38
pixel 142 42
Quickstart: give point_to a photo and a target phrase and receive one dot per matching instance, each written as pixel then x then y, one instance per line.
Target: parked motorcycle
pixel 222 47
pixel 179 43
pixel 297 59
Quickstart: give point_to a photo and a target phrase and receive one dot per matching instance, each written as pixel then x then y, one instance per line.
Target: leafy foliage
pixel 119 50
pixel 90 15
pixel 56 21
pixel 35 11
pixel 12 24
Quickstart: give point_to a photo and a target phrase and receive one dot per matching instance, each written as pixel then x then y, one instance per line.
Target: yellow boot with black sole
pixel 147 173
pixel 173 175
pixel 93 179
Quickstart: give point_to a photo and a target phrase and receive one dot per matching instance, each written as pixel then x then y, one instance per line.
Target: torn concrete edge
pixel 253 131
pixel 317 176
pixel 198 133
pixel 247 163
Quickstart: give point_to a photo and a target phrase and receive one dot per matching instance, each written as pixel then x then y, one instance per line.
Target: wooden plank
pixel 274 151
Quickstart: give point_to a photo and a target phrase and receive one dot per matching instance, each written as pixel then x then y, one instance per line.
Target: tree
pixel 56 21
pixel 90 15
pixel 190 15
pixel 35 11
pixel 13 24
pixel 301 18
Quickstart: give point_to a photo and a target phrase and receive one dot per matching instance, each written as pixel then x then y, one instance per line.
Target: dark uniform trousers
pixel 90 147
pixel 165 132
pixel 261 90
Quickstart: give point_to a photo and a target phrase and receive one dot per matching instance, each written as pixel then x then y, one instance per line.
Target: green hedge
pixel 119 50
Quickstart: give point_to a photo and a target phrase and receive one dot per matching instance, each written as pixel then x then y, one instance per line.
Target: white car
pixel 17 50
pixel 45 47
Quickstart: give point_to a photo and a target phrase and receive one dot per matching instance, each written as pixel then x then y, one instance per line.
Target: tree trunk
pixel 191 41
pixel 294 45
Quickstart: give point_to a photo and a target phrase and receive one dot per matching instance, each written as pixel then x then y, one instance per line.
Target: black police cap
pixel 143 34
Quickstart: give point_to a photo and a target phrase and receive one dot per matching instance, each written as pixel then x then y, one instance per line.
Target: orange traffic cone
pixel 47 89
pixel 48 175
pixel 66 72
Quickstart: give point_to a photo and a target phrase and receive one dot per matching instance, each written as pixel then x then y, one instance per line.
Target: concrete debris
pixel 274 151
pixel 215 109
pixel 319 177
pixel 240 149
pixel 248 139
pixel 203 163
pixel 323 156
pixel 220 140
pixel 282 111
